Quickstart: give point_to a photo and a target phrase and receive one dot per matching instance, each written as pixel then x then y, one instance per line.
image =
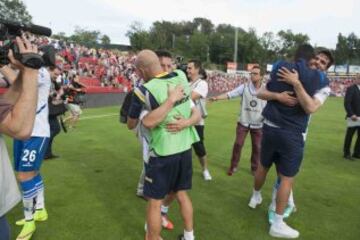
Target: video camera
pixel 180 64
pixel 9 31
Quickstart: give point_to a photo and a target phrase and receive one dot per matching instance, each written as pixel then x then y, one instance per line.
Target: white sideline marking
pixel 99 116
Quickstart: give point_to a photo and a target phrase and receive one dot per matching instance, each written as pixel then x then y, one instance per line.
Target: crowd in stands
pixel 112 69
pixel 97 67
pixel 339 85
pixel 222 82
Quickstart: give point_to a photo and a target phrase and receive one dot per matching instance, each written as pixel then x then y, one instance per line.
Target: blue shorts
pixel 28 154
pixel 168 174
pixel 283 147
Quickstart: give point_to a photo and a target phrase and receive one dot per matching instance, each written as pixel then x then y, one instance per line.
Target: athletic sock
pixel 164 209
pixel 40 203
pixel 189 235
pixel 29 192
pixel 278 218
pixel 256 193
pixel 291 202
pixel 274 193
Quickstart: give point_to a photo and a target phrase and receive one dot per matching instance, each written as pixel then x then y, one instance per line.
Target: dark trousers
pixel 199 146
pixel 348 139
pixel 4 229
pixel 54 130
pixel 256 135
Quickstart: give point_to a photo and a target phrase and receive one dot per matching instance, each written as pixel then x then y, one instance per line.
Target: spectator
pixel 352 107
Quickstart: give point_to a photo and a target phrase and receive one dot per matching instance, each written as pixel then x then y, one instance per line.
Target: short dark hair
pixel 196 62
pixel 256 66
pixel 203 73
pixel 328 54
pixel 304 51
pixel 163 53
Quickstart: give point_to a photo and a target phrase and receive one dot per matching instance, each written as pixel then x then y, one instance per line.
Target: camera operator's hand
pixel 25 47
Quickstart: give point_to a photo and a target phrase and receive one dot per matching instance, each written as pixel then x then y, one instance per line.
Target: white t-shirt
pixel 41 124
pixel 322 94
pixel 200 87
pixel 9 192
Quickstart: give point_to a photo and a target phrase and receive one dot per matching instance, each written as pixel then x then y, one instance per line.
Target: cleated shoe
pixel 40 215
pixel 166 223
pixel 27 231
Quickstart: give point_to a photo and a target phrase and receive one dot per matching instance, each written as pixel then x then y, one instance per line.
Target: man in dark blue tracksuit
pixel 283 130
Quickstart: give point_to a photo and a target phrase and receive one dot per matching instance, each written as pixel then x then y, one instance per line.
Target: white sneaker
pixel 207 175
pixel 255 200
pixel 282 230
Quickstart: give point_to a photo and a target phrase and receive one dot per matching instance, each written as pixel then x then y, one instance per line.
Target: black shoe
pixel 181 237
pixel 348 157
pixel 52 156
pixel 63 125
pixel 356 156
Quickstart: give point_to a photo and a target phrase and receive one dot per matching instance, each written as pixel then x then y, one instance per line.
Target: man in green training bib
pixel 167 98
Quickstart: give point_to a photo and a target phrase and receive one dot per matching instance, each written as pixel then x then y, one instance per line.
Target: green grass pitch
pixel 90 190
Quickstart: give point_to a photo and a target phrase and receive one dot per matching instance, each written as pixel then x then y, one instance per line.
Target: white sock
pixel 164 209
pixel 291 199
pixel 256 193
pixel 189 235
pixel 28 208
pixel 273 199
pixel 29 193
pixel 40 203
pixel 278 218
pixel 39 184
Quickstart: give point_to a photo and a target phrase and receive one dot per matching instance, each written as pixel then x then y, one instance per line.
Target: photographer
pixel 74 97
pixel 17 115
pixel 56 108
pixel 29 153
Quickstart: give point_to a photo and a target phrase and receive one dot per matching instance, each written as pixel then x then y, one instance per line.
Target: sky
pixel 321 20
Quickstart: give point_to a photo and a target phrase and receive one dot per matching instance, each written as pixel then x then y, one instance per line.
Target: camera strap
pixel 31 60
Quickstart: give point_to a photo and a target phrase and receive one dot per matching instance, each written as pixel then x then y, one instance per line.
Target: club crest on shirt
pixel 253 103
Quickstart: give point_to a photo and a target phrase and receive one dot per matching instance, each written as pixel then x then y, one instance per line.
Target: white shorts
pixel 74 109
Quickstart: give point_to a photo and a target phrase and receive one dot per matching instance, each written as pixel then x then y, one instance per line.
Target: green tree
pixel 347 49
pixel 271 46
pixel 85 37
pixel 105 40
pixel 139 38
pixel 204 25
pixel 222 43
pixel 199 46
pixel 161 34
pixel 60 36
pixel 14 10
pixel 288 42
pixel 249 48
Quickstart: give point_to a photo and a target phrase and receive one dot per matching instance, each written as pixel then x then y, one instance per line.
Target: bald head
pixel 148 65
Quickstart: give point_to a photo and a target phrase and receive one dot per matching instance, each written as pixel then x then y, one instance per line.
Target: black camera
pixel 9 31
